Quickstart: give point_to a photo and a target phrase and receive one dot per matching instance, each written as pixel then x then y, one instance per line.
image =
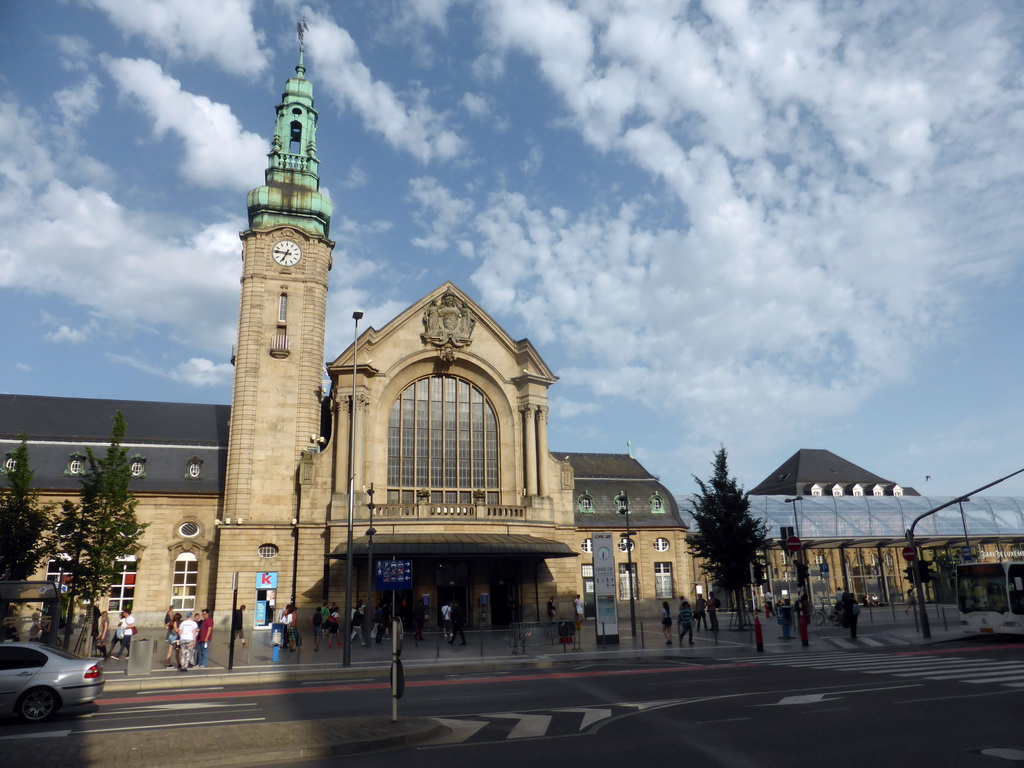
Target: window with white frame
pixel 194 470
pixel 657 504
pixel 878 490
pixel 586 504
pixel 837 490
pixel 138 466
pixel 815 490
pixel 76 465
pixel 626 544
pixel 897 490
pixel 661 544
pixel 627 579
pixel 56 570
pixel 587 545
pixel 663 586
pixel 185 584
pixel 858 490
pixel 122 591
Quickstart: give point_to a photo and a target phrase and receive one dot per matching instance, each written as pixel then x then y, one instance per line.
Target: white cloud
pixel 187 30
pixel 218 152
pixel 445 211
pixel 411 127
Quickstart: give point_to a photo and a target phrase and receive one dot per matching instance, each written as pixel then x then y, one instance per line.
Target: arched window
pixel 442 443
pixel 186 582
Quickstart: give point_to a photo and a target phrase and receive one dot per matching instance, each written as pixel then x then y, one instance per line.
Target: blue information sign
pixel 824 568
pixel 394 574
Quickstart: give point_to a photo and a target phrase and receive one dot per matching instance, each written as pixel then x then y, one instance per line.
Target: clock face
pixel 286 253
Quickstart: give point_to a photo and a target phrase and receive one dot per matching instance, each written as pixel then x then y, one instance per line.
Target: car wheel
pixel 37 705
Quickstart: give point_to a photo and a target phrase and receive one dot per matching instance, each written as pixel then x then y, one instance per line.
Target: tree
pixel 728 539
pixel 102 527
pixel 25 524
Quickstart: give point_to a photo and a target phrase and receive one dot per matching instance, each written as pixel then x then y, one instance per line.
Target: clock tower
pixel 279 358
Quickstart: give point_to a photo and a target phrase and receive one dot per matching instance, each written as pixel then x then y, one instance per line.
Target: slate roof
pixel 803 469
pixel 167 435
pixel 603 476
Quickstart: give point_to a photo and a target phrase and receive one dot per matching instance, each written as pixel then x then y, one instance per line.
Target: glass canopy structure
pixel 873 521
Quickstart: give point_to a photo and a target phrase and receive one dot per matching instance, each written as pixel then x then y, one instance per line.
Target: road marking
pixel 40 735
pixel 528 726
pixel 174 725
pixel 807 698
pixel 187 690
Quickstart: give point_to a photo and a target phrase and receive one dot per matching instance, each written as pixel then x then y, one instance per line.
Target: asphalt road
pixel 955 704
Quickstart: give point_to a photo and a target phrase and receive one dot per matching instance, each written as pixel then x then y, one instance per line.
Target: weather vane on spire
pixel 302 29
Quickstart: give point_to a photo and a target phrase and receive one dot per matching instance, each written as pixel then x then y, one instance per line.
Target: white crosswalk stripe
pixel 959 668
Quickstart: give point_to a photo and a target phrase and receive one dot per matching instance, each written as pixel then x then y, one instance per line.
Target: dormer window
pixel 9 465
pixel 837 490
pixel 622 503
pixel 897 490
pixel 76 465
pixel 878 491
pixel 194 470
pixel 138 466
pixel 585 504
pixel 657 504
pixel 858 490
pixel 816 490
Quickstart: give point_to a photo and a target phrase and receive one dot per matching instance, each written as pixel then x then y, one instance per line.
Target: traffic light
pixel 801 574
pixel 758 573
pixel 909 571
pixel 926 572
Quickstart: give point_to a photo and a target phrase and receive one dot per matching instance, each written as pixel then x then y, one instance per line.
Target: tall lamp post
pixel 623 501
pixel 347 647
pixel 370 574
pixel 963 518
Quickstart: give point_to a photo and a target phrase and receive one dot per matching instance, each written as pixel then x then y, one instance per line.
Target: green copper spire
pixel 291 194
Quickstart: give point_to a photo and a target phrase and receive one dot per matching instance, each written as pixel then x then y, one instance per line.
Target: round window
pixel 626 544
pixel 268 550
pixel 661 545
pixel 587 545
pixel 188 530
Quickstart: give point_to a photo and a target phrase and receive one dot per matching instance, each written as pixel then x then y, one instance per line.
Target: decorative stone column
pixel 530 444
pixel 542 450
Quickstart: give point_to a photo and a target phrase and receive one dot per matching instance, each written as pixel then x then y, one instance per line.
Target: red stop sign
pixel 909 554
pixel 793 544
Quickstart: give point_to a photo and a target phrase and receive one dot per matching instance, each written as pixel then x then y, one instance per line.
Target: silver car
pixel 36 680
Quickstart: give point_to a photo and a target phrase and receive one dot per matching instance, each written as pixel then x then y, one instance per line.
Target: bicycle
pixel 822 616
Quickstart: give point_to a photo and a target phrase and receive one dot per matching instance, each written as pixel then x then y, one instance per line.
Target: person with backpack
pixel 700 612
pixel 317 620
pixel 851 611
pixel 685 621
pixel 332 624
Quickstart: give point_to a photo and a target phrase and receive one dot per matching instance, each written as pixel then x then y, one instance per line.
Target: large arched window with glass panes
pixel 442 440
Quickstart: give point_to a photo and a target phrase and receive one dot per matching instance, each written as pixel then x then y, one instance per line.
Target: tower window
pixel 282 309
pixel 295 138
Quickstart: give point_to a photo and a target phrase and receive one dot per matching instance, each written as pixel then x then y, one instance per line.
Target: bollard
pixel 758 636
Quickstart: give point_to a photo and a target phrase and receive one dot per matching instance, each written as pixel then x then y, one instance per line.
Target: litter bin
pixel 140 661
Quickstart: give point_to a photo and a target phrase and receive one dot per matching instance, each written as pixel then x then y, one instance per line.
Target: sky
pixel 761 225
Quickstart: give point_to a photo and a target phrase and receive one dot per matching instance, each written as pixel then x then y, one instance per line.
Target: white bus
pixel 990 597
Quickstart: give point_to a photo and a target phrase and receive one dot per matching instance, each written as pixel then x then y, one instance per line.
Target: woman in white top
pixel 187 631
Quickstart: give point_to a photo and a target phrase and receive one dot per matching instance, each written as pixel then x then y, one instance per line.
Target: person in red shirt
pixel 203 641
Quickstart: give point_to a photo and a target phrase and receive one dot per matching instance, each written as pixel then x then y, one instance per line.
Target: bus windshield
pixel 982 587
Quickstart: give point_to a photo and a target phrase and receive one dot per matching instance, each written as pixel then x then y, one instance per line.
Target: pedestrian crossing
pixel 544 723
pixel 918 666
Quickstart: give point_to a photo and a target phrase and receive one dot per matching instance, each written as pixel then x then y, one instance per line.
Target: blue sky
pixel 769 226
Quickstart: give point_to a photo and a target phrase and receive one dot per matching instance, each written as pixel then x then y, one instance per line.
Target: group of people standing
pixel 188 639
pixel 123 633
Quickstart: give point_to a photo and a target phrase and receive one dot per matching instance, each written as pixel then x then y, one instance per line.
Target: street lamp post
pixel 963 518
pixel 623 501
pixel 370 574
pixel 802 554
pixel 347 647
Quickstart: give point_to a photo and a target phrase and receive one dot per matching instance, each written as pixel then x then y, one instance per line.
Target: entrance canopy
pixel 489 545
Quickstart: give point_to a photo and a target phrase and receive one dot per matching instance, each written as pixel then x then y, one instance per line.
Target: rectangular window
pixel 625 581
pixel 663 587
pixel 122 591
pixel 186 583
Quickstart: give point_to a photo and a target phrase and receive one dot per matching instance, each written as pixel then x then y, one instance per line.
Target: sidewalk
pixel 285 742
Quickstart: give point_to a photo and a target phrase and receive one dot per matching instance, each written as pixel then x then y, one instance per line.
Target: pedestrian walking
pixel 713 605
pixel 577 603
pixel 446 619
pixel 552 608
pixel 666 622
pixel 769 604
pixel 851 612
pixel 911 600
pixel 102 633
pixel 316 620
pixel 685 621
pixel 238 624
pixel 333 623
pixel 188 631
pixel 458 620
pixel 700 612
pixel 419 617
pixel 358 618
pixel 204 639
pixel 171 636
pixel 123 635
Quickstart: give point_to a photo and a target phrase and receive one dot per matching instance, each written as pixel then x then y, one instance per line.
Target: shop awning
pixel 456 545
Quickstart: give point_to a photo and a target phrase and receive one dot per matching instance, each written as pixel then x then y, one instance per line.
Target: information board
pixel 394 574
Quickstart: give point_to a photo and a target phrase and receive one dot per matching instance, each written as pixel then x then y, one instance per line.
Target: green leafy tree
pixel 25 524
pixel 102 527
pixel 728 539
